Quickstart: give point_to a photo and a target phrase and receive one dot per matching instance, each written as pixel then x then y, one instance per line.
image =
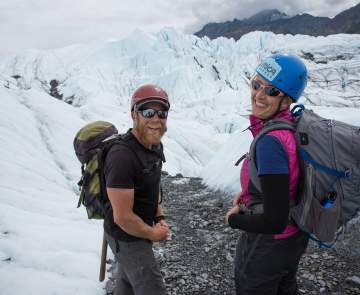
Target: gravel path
pixel 198 258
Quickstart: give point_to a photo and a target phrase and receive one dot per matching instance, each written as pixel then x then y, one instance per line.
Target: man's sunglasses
pixel 268 90
pixel 149 113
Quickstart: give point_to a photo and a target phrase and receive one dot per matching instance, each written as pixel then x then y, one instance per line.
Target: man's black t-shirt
pixel 129 165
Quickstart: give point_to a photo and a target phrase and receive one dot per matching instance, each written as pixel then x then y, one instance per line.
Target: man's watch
pixel 158 218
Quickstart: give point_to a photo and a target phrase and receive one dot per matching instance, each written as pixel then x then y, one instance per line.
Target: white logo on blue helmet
pixel 269 69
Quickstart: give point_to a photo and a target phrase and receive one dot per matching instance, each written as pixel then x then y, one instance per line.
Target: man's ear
pixel 134 118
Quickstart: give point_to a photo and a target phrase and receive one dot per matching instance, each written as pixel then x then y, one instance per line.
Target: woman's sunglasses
pixel 149 113
pixel 268 90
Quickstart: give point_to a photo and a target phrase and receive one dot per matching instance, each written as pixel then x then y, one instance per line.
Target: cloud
pixel 58 23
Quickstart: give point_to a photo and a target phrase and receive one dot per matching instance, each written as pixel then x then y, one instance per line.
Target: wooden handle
pixel 103 259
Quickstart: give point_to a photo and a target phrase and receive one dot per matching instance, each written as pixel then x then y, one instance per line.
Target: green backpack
pixel 91 144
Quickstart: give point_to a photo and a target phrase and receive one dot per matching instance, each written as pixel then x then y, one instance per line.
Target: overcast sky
pixel 58 23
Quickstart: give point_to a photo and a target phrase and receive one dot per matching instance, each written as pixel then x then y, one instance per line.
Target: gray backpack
pixel 329 188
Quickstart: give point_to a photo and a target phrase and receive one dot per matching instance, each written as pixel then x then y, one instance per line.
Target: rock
pixel 110 286
pixel 353 281
pixel 322 283
pixel 229 257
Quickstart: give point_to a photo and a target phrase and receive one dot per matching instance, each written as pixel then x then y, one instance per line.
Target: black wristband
pixel 158 218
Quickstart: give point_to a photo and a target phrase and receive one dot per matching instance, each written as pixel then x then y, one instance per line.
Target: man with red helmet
pixel 135 218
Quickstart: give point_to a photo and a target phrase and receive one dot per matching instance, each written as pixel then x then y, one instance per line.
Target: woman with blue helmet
pixel 269 250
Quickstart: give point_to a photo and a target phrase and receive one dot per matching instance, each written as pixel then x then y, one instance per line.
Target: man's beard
pixel 149 136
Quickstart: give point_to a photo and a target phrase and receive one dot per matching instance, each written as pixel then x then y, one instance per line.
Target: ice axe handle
pixel 103 259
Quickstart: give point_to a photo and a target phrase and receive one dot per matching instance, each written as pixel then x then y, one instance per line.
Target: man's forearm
pixel 135 226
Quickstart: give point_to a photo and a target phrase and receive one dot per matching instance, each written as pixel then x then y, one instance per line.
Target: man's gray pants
pixel 137 270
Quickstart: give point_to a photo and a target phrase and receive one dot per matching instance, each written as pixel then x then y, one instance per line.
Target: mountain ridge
pixel 273 20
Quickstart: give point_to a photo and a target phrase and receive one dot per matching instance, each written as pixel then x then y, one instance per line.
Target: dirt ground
pixel 198 258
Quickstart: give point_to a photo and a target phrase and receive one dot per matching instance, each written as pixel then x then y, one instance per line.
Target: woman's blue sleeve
pixel 271 158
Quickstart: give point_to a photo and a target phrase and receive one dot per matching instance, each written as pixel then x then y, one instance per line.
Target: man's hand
pixel 160 232
pixel 236 199
pixel 233 210
pixel 163 223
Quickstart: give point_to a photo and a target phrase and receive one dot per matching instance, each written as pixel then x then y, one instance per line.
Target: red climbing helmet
pixel 149 93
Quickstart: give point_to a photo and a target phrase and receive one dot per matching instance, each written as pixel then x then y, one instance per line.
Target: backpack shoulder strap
pixel 269 126
pixel 125 140
pixel 101 154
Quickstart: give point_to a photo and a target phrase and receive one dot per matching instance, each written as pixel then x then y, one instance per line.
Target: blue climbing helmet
pixel 285 71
